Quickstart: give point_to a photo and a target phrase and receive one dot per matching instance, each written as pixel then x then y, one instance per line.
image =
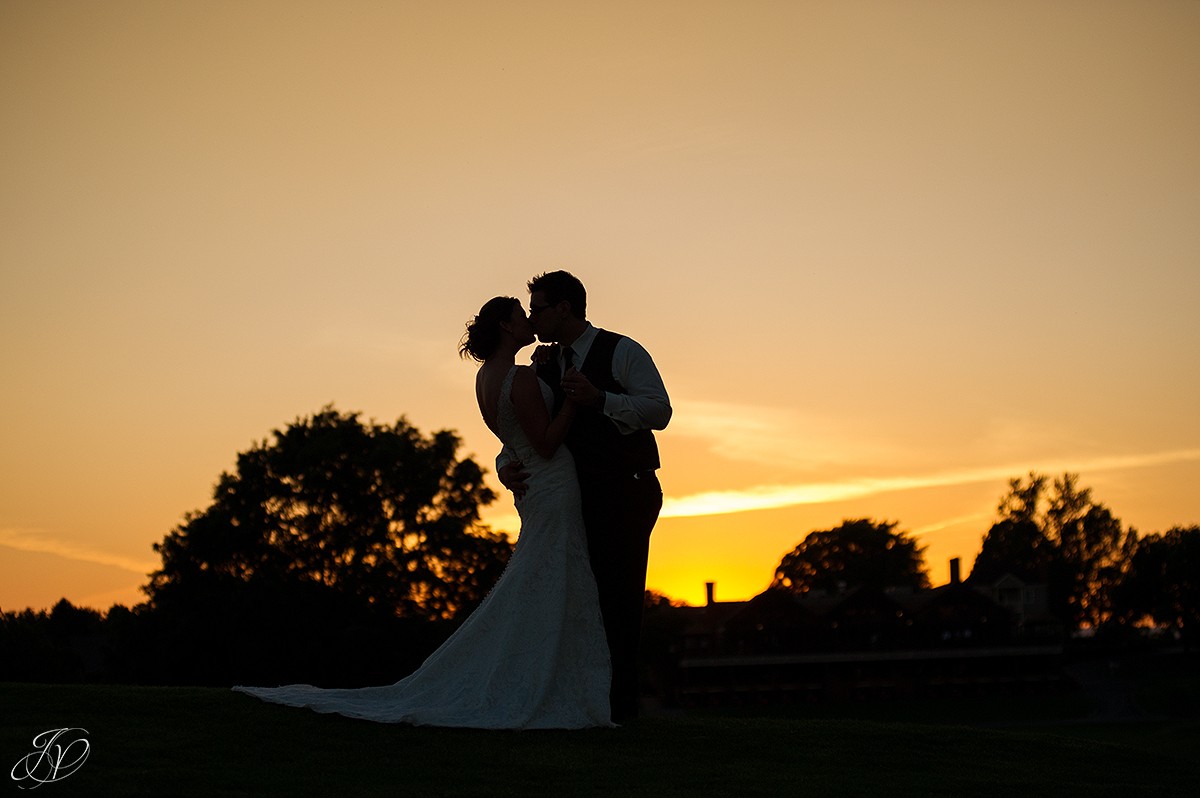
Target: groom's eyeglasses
pixel 536 309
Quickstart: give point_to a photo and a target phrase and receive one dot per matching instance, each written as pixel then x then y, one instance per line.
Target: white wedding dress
pixel 533 654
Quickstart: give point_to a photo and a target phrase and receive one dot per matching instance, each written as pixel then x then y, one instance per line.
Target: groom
pixel 622 398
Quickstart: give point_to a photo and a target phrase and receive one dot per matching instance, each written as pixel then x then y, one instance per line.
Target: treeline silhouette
pixel 341 553
pixel 338 552
pixel 1098 574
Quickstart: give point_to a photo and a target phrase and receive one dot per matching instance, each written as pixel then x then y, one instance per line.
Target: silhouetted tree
pixel 1163 582
pixel 1023 501
pixel 334 553
pixel 653 600
pixel 378 513
pixel 1019 547
pixel 1064 537
pixel 65 644
pixel 858 553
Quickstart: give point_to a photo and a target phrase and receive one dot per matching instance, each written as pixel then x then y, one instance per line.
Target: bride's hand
pixel 542 353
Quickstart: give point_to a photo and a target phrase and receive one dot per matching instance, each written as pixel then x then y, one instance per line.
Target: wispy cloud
pixel 777 437
pixel 26 540
pixel 947 523
pixel 769 497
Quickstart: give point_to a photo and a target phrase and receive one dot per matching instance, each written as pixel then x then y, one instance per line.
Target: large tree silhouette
pixel 857 553
pixel 378 514
pixel 337 552
pixel 1059 535
pixel 1019 547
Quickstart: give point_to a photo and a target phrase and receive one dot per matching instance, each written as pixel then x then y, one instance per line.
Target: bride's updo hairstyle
pixel 483 332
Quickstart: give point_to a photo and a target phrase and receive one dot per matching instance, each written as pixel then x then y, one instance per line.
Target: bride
pixel 533 655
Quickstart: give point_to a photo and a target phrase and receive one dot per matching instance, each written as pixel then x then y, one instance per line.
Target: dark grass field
pixel 148 741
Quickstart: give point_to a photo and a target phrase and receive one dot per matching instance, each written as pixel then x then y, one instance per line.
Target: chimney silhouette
pixel 709 589
pixel 954 574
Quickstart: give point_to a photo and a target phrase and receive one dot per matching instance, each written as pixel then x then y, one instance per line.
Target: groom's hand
pixel 513 476
pixel 580 390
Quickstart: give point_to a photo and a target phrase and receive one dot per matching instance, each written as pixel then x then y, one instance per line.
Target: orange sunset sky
pixel 886 254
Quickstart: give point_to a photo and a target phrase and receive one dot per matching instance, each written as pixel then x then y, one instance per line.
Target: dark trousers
pixel 619 513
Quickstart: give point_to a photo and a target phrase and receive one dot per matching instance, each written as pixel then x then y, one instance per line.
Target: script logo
pixel 60 752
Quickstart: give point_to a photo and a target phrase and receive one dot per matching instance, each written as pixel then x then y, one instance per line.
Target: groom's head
pixel 557 305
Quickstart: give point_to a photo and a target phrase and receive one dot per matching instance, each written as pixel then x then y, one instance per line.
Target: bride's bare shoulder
pixel 524 378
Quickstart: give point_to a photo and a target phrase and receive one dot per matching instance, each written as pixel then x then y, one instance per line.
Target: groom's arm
pixel 645 405
pixel 511 472
pixel 505 457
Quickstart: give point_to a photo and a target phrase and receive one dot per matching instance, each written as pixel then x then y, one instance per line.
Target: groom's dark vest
pixel 598 446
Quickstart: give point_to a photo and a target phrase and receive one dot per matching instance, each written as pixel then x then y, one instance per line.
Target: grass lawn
pixel 212 742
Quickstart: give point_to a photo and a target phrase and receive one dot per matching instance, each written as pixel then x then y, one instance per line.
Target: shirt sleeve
pixel 645 404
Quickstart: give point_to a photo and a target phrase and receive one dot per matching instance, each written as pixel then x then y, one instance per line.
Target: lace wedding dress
pixel 533 654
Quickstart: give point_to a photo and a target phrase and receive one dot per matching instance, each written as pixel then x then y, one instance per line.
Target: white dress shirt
pixel 645 404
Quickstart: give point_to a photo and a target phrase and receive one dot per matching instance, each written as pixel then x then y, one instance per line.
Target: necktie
pixel 567 356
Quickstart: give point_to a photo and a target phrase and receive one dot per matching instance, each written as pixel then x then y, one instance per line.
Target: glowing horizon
pixel 751 500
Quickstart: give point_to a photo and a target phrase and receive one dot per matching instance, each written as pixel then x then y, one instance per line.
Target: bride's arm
pixel 544 433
